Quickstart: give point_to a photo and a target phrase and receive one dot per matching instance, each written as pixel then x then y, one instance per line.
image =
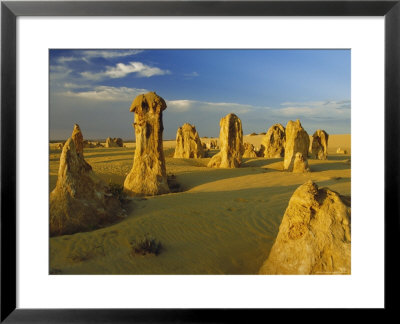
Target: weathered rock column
pixel 300 164
pixel 114 142
pixel 231 143
pixel 273 143
pixel 188 144
pixel 249 151
pixel 77 137
pixel 80 201
pixel 314 236
pixel 297 141
pixel 148 176
pixel 319 146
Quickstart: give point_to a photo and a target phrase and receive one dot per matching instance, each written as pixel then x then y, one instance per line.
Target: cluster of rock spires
pixel 114 142
pixel 293 144
pixel 86 144
pixel 80 201
pixel 314 236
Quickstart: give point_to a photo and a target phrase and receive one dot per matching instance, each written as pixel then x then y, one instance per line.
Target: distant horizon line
pixel 174 139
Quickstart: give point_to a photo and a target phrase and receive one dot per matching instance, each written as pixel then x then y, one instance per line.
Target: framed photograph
pixel 257 128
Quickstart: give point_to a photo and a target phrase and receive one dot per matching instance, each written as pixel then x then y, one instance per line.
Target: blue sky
pixel 94 88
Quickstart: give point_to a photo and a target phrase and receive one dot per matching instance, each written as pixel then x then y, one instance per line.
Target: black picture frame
pixel 11 10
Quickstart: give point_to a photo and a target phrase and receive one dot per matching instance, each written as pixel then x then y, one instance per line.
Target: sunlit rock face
pixel 300 164
pixel 314 236
pixel 148 175
pixel 319 146
pixel 188 144
pixel 273 143
pixel 249 151
pixel 231 143
pixel 80 201
pixel 297 141
pixel 114 142
pixel 213 144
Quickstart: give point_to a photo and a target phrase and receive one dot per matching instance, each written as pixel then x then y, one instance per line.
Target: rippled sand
pixel 223 222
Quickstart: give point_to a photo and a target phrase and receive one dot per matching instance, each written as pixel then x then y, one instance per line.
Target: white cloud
pixel 192 74
pixel 65 59
pixel 70 85
pixel 105 93
pixel 296 111
pixel 89 54
pixel 333 116
pixel 92 76
pixel 316 109
pixel 121 70
pixel 218 107
pixel 180 105
pixel 58 72
pixel 110 53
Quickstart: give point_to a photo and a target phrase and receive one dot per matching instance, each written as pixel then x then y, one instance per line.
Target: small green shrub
pixel 253 134
pixel 146 245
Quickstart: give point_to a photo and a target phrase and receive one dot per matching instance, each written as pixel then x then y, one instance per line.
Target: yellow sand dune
pixel 224 222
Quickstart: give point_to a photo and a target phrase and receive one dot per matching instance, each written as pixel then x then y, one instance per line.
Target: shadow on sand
pixel 330 166
pixel 193 179
pixel 259 162
pixel 338 157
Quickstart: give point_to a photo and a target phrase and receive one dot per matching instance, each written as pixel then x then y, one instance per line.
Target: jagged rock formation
pixel 205 149
pixel 297 140
pixel 273 143
pixel 231 143
pixel 259 151
pixel 249 151
pixel 314 236
pixel 80 201
pixel 319 146
pixel 148 175
pixel 87 144
pixel 341 151
pixel 77 137
pixel 188 144
pixel 213 144
pixel 114 142
pixel 60 146
pixel 300 164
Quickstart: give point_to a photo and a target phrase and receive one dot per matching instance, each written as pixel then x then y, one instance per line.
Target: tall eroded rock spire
pixel 148 176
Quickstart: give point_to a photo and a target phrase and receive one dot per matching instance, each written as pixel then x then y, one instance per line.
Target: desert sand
pixel 224 221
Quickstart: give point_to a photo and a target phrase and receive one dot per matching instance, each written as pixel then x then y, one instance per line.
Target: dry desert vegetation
pixel 276 203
